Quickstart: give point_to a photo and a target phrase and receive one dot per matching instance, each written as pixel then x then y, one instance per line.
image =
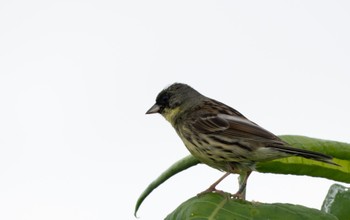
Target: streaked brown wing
pixel 230 124
pixel 231 127
pixel 210 124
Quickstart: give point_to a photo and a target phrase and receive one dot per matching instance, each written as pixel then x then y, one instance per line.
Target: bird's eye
pixel 165 99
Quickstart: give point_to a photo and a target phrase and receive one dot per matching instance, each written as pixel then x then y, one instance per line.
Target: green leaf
pixel 337 202
pixel 179 166
pixel 216 206
pixel 291 165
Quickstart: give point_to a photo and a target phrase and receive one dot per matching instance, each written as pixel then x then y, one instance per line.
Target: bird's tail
pixel 306 154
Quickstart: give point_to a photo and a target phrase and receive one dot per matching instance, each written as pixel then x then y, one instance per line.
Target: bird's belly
pixel 218 157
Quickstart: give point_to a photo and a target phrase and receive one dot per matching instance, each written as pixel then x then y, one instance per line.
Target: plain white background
pixel 76 78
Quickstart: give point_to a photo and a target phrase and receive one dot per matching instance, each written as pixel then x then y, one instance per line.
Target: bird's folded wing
pixel 233 127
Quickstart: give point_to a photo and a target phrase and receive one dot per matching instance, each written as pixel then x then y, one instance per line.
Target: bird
pixel 220 136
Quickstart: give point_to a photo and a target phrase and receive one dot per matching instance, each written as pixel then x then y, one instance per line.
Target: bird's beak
pixel 154 109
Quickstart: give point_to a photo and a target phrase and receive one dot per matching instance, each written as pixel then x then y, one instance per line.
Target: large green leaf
pixel 337 202
pixel 291 165
pixel 216 206
pixel 177 167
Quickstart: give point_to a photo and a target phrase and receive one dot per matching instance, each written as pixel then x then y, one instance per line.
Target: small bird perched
pixel 220 136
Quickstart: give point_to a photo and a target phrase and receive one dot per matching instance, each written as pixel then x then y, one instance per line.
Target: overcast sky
pixel 76 78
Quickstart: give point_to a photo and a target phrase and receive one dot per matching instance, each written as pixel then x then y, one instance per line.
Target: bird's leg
pixel 212 188
pixel 242 179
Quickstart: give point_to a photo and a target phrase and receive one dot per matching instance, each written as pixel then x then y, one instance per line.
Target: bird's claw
pixel 237 196
pixel 213 190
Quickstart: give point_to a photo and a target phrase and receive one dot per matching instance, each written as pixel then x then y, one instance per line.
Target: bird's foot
pixel 214 190
pixel 238 196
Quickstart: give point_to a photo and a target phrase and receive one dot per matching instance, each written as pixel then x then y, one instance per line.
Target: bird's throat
pixel 170 115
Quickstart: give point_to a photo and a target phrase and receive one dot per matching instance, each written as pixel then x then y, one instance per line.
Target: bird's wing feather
pixel 233 127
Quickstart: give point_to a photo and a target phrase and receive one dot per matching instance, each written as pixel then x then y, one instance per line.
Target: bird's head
pixel 175 98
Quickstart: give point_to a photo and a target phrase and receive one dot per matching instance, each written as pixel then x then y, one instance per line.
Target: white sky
pixel 76 78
